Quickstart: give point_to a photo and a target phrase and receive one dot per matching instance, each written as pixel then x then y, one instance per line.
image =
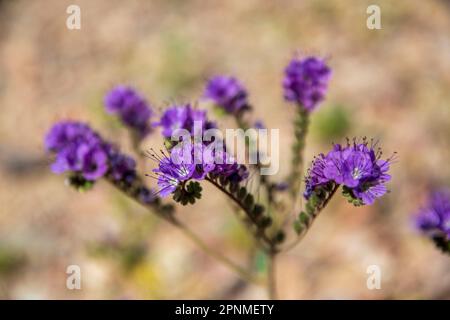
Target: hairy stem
pixel 301 124
pixel 313 217
pixel 264 180
pixel 271 276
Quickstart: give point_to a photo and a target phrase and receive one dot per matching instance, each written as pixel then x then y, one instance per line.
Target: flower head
pixel 188 161
pixel 227 93
pixel 357 167
pixel 434 218
pixel 78 149
pixel 94 161
pixel 131 107
pixel 82 151
pixel 69 132
pixel 183 117
pixel 170 174
pixel 306 81
pixel 122 167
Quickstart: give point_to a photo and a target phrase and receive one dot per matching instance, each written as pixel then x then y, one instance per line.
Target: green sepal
pixel 242 193
pixel 348 194
pixel 258 210
pixel 188 194
pixel 442 244
pixel 78 182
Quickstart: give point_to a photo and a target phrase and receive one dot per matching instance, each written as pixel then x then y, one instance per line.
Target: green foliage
pixel 315 203
pixel 280 236
pixel 242 193
pixel 332 123
pixel 219 112
pixel 442 244
pixel 265 222
pixel 10 260
pixel 78 182
pixel 301 124
pixel 348 194
pixel 249 202
pixel 188 193
pixel 258 210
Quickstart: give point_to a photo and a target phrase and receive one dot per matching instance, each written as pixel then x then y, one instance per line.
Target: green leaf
pixel 249 202
pixel 258 210
pixel 298 226
pixel 242 193
pixel 304 218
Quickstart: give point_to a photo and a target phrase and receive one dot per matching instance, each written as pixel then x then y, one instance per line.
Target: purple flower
pixel 184 117
pixel 227 93
pixel 69 132
pixel 434 218
pixel 357 167
pixel 259 125
pixel 194 162
pixel 131 107
pixel 94 161
pixel 306 81
pixel 80 150
pixel 145 195
pixel 171 174
pixel 123 167
pixel 316 176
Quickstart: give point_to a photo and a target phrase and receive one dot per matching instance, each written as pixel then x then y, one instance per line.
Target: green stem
pixel 313 216
pixel 271 276
pixel 264 180
pixel 301 124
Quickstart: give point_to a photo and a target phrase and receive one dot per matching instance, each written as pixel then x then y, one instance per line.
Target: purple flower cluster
pixel 78 148
pixel 176 169
pixel 306 81
pixel 227 93
pixel 131 107
pixel 357 167
pixel 434 218
pixel 81 150
pixel 183 117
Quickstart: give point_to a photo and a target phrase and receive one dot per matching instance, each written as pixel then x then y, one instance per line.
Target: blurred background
pixel 391 84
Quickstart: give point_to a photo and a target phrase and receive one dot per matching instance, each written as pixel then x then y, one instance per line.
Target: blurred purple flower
pixel 131 107
pixel 259 125
pixel 94 161
pixel 123 167
pixel 434 218
pixel 306 81
pixel 81 150
pixel 227 93
pixel 183 117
